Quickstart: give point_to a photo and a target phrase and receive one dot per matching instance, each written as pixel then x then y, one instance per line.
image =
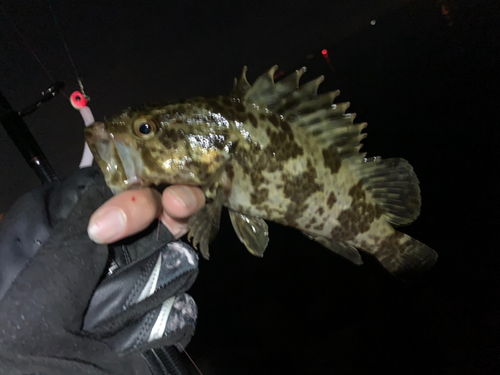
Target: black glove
pixel 62 312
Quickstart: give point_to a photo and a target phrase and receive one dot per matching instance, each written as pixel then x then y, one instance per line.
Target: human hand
pixel 62 310
pixel 132 211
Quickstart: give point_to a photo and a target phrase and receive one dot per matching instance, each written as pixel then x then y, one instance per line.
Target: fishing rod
pixel 24 140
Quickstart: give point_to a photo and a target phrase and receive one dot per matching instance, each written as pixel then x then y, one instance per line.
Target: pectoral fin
pixel 252 232
pixel 204 225
pixel 347 251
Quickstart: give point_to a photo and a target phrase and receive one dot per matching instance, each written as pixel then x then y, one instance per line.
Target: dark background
pixel 425 77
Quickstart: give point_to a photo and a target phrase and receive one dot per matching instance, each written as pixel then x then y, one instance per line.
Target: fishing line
pixel 194 364
pixel 58 27
pixel 29 47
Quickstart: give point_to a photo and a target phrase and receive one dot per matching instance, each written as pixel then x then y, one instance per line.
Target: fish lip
pixel 114 157
pixel 130 164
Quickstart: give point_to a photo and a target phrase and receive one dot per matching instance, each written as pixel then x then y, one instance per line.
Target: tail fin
pixel 404 256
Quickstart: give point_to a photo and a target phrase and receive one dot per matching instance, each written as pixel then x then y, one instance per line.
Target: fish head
pixel 157 146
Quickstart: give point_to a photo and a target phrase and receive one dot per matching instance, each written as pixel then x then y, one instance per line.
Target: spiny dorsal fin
pixel 241 85
pixel 393 185
pixel 303 107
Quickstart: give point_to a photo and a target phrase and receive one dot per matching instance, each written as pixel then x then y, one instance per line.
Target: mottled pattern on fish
pixel 271 152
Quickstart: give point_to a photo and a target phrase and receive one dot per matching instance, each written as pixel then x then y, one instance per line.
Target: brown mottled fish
pixel 271 151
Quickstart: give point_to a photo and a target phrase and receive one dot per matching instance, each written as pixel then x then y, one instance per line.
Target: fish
pixel 271 151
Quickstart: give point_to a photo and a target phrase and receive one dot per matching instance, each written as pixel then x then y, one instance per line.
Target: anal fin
pixel 347 251
pixel 252 232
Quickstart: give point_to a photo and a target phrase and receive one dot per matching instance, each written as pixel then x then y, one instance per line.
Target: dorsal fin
pixel 241 85
pixel 301 106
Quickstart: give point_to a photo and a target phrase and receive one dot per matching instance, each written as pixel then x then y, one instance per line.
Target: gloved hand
pixel 60 313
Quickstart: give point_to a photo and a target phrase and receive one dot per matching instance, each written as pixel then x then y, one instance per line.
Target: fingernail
pixel 106 225
pixel 184 195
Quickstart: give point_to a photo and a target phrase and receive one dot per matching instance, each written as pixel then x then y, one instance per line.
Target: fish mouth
pixel 120 162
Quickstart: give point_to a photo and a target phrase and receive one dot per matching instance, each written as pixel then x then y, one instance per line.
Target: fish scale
pixel 271 151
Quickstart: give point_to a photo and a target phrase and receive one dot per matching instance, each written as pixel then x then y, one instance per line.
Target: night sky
pixel 425 78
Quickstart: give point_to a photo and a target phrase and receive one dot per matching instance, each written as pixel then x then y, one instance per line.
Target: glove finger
pixel 131 292
pixel 171 323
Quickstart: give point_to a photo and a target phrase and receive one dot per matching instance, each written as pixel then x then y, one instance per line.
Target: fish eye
pixel 144 127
